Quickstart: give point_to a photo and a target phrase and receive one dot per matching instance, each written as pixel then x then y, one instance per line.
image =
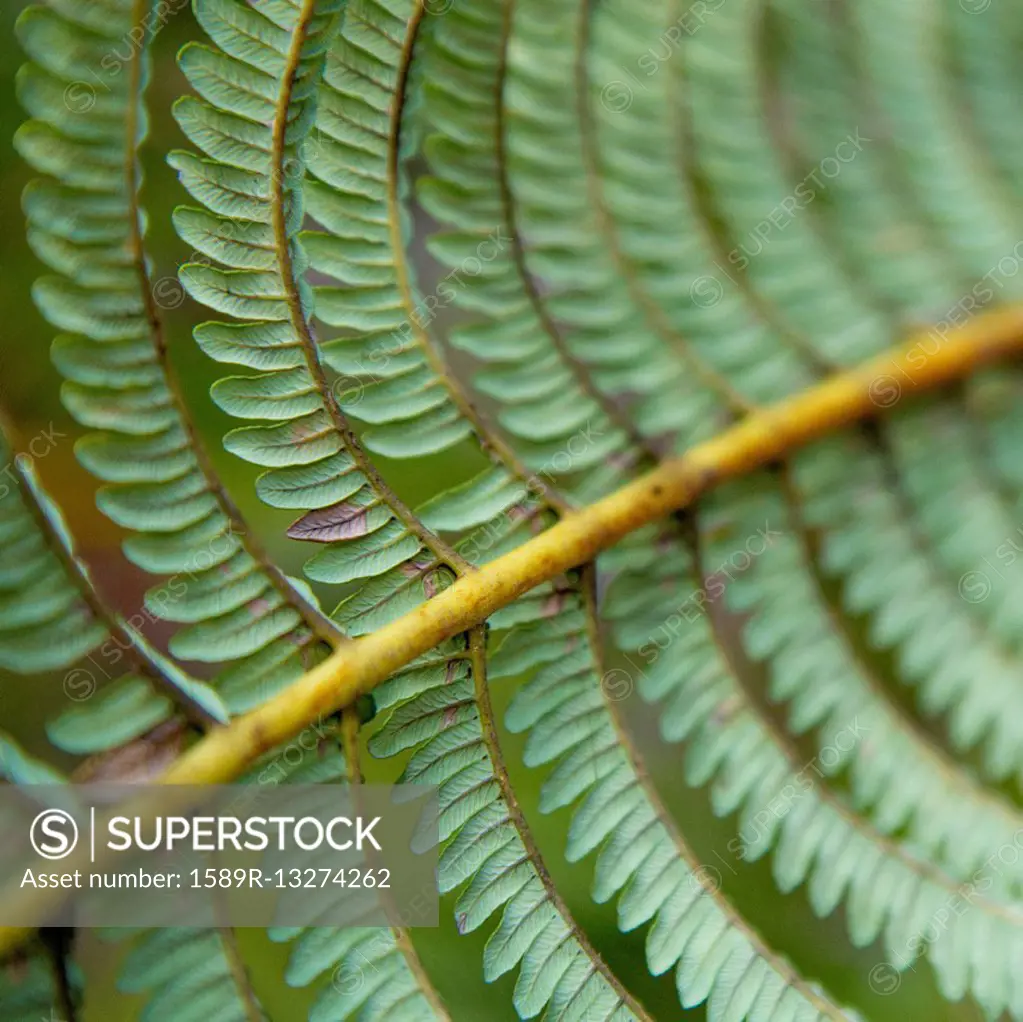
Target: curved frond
pixel 315 464
pixel 890 890
pixel 368 534
pixel 375 973
pixel 190 975
pixel 893 768
pixel 948 177
pixel 52 618
pixel 86 222
pixel 645 231
pixel 505 153
pixel 792 252
pixel 567 708
pixel 460 178
pixel 866 201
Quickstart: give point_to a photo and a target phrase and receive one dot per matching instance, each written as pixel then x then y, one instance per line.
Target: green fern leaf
pixel 376 539
pixel 568 714
pixel 315 464
pixel 56 618
pixel 86 223
pixel 190 974
pixel 783 802
pixel 649 222
pixel 798 247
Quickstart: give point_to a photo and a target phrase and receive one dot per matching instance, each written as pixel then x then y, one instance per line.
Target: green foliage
pixel 85 221
pixel 53 617
pixel 648 221
pixel 28 984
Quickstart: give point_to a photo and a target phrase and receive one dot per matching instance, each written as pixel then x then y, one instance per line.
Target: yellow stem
pixel 762 438
pixel 927 361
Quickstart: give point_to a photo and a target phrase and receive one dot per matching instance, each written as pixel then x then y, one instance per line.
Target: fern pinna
pixel 537 250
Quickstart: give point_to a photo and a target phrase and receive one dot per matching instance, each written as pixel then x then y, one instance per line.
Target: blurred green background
pixel 29 390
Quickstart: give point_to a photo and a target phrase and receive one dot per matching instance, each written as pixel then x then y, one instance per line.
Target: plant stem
pixel 758 440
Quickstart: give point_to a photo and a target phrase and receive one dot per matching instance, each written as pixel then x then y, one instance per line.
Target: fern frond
pixel 917 786
pixel 344 497
pixel 462 122
pixel 87 224
pixel 489 845
pixel 33 581
pixel 568 710
pixel 926 263
pixel 895 769
pixel 918 268
pixel 982 56
pixel 598 261
pixel 499 144
pixel 871 214
pixel 800 249
pixel 192 975
pixel 375 971
pixel 53 617
pixel 371 976
pixel 200 973
pixel 54 590
pixel 949 179
pixel 797 255
pixel 564 704
pixel 315 463
pixel 807 268
pixel 785 803
pixel 720 71
pixel 947 555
